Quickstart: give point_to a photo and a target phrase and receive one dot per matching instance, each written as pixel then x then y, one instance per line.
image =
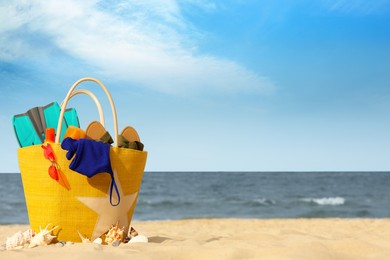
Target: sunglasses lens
pixel 53 172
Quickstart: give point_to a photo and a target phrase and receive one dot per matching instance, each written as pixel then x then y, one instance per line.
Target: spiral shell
pixel 43 238
pixel 84 239
pixel 19 239
pixel 114 234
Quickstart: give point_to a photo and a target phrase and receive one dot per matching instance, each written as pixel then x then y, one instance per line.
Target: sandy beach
pixel 232 239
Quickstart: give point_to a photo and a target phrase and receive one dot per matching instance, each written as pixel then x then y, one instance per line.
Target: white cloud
pixel 145 42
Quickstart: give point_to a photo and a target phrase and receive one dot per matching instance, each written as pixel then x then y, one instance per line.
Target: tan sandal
pixel 130 134
pixel 96 131
pixel 129 138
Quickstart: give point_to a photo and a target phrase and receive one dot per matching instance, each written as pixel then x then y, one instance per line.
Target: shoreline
pixel 224 238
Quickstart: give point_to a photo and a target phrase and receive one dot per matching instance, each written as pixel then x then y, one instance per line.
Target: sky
pixel 293 85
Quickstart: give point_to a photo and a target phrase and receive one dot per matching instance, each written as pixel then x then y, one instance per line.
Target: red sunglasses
pixel 49 154
pixel 54 169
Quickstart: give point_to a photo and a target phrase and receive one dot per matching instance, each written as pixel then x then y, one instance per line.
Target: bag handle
pixel 69 95
pixel 94 98
pixel 64 103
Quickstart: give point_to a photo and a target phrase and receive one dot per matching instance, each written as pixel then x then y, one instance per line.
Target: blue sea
pixel 178 195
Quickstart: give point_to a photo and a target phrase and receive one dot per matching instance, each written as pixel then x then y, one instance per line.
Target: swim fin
pixel 30 127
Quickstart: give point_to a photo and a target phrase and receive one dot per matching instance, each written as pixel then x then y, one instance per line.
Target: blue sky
pixel 211 85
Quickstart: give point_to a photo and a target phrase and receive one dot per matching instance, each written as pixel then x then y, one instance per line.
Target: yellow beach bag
pixel 84 207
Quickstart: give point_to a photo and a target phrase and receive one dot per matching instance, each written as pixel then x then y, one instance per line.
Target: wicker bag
pixel 85 207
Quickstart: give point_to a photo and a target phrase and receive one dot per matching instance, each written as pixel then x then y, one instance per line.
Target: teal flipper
pixel 30 127
pixel 71 117
pixel 38 121
pixel 24 130
pixel 52 113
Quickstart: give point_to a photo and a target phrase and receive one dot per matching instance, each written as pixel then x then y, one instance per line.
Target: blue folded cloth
pixel 90 158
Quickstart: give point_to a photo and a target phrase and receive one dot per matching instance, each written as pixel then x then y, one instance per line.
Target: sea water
pixel 178 195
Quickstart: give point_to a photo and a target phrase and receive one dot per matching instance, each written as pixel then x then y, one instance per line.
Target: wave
pixel 264 202
pixel 331 201
pixel 212 202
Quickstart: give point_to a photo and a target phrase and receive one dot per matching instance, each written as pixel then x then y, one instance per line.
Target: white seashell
pixel 98 241
pixel 14 241
pixel 19 239
pixel 139 239
pixel 28 235
pixel 83 238
pixel 133 232
pixel 114 234
pixel 43 238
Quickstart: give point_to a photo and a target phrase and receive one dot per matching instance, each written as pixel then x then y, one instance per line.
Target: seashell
pixel 98 241
pixel 116 243
pixel 83 238
pixel 114 234
pixel 43 238
pixel 19 239
pixel 139 239
pixel 133 232
pixel 28 235
pixel 14 241
pixel 60 244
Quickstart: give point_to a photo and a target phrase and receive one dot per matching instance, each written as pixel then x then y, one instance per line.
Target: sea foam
pixel 333 201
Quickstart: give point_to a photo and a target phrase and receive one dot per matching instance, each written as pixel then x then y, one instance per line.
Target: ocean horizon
pixel 228 194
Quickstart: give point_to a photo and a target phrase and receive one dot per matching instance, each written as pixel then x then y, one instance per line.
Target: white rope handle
pixel 68 96
pixel 94 98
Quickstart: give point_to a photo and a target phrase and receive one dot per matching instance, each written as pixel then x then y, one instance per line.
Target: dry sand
pixel 232 239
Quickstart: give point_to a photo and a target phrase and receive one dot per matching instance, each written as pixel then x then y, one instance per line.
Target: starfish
pixel 108 214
